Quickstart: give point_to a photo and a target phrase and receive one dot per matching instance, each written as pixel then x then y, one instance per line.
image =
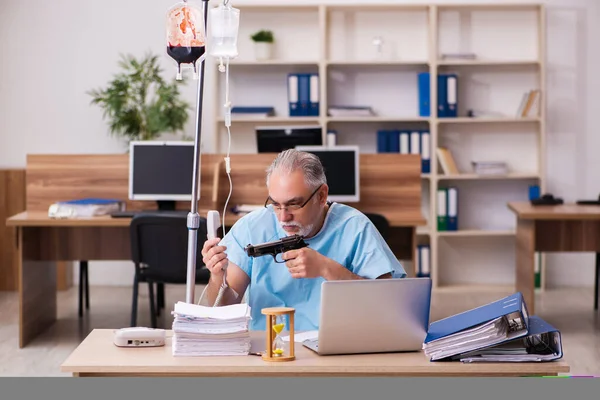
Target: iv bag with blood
pixel 186 39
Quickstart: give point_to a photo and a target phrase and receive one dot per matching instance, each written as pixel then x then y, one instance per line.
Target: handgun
pixel 276 247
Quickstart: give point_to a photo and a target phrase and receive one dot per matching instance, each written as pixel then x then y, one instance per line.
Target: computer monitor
pixel 161 171
pixel 275 139
pixel 342 170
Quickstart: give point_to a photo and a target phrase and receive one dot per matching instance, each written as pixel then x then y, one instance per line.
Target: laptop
pixel 372 316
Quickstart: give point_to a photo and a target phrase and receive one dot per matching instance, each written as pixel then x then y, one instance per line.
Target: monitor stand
pixel 166 205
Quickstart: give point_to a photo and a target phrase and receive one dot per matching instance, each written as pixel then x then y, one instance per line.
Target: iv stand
pixel 193 218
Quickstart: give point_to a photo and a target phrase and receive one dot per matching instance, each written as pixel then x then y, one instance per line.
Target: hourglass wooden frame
pixel 272 314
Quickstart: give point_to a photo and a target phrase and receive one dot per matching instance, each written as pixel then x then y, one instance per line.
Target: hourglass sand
pixel 275 346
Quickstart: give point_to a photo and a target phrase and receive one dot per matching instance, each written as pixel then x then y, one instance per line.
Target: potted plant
pixel 139 103
pixel 263 44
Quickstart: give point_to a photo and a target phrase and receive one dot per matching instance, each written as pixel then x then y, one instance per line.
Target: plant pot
pixel 263 50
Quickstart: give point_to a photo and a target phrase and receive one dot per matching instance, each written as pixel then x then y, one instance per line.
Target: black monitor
pixel 342 170
pixel 275 139
pixel 161 171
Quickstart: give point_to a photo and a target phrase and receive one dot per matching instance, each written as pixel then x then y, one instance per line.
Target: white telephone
pixel 139 337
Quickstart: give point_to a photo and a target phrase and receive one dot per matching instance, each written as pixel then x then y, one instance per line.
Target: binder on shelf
pixel 425 152
pixel 293 99
pixel 415 142
pixel 404 142
pixel 543 342
pixel 304 93
pixel 423 261
pixel 314 95
pixel 382 141
pixel 442 214
pixel 394 141
pixel 447 95
pixel 452 203
pixel 491 324
pixel 424 94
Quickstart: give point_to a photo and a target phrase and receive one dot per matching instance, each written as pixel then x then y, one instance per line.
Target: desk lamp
pixel 186 44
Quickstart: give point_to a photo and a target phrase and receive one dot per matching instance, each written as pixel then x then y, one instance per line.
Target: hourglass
pixel 275 346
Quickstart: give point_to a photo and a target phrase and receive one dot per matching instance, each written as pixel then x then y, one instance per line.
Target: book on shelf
pixel 447 161
pixel 350 111
pixel 489 167
pixel 252 112
pixel 530 104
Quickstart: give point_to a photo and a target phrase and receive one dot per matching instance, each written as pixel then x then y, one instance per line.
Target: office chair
pixel 381 223
pixel 159 251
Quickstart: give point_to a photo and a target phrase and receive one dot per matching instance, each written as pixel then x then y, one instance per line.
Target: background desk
pixel 98 356
pixel 561 228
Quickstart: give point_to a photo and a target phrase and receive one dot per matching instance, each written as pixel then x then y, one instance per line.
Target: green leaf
pixel 138 103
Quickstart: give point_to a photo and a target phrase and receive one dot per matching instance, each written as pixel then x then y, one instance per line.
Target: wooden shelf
pixel 377 119
pixel 488 63
pixel 336 41
pixel 270 120
pixel 475 232
pixel 486 120
pixel 274 62
pixel 513 176
pixel 376 63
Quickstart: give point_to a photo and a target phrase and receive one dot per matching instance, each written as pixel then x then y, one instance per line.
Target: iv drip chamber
pixel 186 39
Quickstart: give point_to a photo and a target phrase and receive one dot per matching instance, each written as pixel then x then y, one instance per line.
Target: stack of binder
pixel 501 331
pixel 210 331
pixel 406 142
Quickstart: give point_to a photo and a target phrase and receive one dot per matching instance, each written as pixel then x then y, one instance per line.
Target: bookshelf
pixel 336 41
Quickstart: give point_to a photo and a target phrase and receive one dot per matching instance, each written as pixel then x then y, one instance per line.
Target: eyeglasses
pixel 291 207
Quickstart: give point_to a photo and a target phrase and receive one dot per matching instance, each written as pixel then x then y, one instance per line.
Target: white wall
pixel 44 108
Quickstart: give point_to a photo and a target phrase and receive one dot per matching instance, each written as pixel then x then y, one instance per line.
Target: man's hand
pixel 306 263
pixel 215 258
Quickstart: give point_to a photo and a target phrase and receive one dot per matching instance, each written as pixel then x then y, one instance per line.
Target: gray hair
pixel 292 160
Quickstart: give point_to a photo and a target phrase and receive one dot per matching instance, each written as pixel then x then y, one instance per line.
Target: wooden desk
pixel 560 228
pixel 98 356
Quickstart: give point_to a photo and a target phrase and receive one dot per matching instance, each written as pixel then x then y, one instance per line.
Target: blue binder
pixel 314 95
pixel 513 306
pixel 542 340
pixel 447 95
pixel 394 141
pixel 424 94
pixel 425 152
pixel 452 208
pixel 382 142
pixel 442 95
pixel 304 93
pixel 294 105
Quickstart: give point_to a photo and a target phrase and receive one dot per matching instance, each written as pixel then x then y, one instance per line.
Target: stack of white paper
pixel 487 334
pixel 210 331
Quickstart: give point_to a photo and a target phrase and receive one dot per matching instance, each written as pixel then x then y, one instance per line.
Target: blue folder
pixel 542 340
pixel 513 306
